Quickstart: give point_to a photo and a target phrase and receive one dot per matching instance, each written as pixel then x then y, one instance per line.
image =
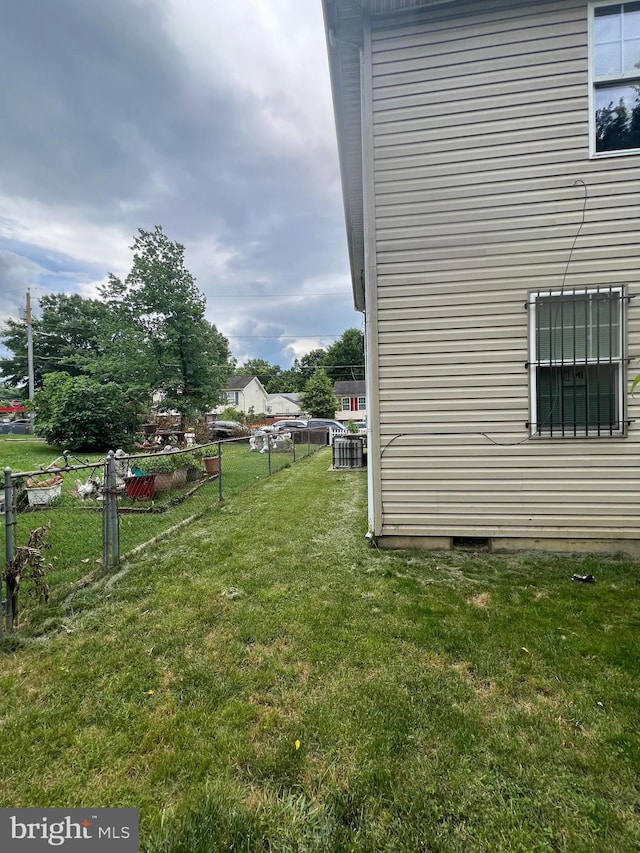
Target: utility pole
pixel 30 345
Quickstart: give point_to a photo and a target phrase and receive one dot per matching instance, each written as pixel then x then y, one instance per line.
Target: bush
pixel 163 463
pixel 78 413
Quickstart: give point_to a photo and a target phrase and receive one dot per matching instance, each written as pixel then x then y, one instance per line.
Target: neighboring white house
pixel 352 400
pixel 490 159
pixel 244 393
pixel 282 405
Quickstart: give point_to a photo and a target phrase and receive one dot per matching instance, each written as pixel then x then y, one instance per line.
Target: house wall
pixel 252 395
pixel 352 414
pixel 278 405
pixel 480 126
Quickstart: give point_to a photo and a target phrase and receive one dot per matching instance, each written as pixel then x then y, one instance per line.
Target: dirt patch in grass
pixel 481 600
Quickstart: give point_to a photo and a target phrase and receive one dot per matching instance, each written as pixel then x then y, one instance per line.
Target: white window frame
pixel 362 404
pixel 346 404
pixel 593 81
pixel 620 360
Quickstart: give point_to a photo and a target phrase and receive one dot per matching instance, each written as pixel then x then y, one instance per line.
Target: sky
pixel 209 117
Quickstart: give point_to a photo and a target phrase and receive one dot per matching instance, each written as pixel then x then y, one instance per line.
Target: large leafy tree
pixel 307 365
pixel 344 360
pixel 273 377
pixel 160 337
pixel 68 335
pixel 318 398
pixel 261 368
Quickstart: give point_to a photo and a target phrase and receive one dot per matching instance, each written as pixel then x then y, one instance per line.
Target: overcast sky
pixel 212 118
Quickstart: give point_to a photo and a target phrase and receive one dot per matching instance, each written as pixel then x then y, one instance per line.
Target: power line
pixel 271 295
pixel 285 337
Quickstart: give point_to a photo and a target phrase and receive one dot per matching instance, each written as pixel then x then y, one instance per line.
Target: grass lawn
pixel 76 526
pixel 267 681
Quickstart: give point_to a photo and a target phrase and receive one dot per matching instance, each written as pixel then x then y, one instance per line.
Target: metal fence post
pixel 106 525
pixel 112 512
pixel 9 545
pixel 220 488
pixel 269 452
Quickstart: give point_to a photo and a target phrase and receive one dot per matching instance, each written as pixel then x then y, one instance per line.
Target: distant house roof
pixel 237 383
pixel 294 397
pixel 351 388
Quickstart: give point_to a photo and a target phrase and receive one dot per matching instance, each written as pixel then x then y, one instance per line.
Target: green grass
pixel 76 526
pixel 25 453
pixel 445 702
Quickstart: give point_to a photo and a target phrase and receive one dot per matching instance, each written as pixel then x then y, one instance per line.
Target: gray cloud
pixel 212 119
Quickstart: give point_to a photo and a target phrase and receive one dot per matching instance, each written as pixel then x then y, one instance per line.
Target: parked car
pixel 227 429
pixel 286 425
pixel 19 427
pixel 326 423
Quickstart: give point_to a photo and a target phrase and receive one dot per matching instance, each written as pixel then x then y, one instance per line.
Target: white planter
pixel 42 495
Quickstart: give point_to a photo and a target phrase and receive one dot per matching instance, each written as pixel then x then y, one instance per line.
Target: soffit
pixel 344 32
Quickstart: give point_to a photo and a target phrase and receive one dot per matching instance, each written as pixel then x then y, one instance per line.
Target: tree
pixel 344 360
pixel 266 373
pixel 285 382
pixel 273 377
pixel 160 338
pixel 68 336
pixel 79 413
pixel 307 366
pixel 318 398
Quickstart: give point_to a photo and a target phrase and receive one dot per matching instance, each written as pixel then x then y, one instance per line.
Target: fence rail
pixel 101 512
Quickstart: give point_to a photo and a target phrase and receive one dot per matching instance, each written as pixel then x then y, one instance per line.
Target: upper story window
pixel 346 404
pixel 362 404
pixel 577 362
pixel 615 76
pixel 232 398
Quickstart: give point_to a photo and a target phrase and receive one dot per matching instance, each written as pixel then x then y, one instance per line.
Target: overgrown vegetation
pixel 28 567
pixel 266 681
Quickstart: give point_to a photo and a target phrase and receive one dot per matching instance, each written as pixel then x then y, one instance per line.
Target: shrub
pixel 79 413
pixel 163 463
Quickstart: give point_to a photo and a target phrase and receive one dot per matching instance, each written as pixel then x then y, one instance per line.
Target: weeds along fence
pixel 67 524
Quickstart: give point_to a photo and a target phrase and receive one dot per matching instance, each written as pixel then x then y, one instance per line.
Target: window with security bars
pixel 576 362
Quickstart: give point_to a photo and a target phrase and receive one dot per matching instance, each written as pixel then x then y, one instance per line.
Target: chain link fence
pixel 67 524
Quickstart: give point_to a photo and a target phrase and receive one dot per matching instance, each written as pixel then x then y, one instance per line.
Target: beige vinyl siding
pixel 480 129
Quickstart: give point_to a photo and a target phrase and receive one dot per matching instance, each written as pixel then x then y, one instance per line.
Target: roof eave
pixel 342 20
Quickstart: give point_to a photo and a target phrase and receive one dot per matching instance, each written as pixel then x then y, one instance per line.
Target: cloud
pixel 210 118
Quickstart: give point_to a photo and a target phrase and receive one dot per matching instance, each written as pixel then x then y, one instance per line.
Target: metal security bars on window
pixel 576 346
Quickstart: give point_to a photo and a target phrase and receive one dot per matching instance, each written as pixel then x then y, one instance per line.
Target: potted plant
pixel 42 489
pixel 210 459
pixel 162 466
pixel 181 471
pixel 194 471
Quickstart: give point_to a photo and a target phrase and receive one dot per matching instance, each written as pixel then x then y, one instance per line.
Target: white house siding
pixel 278 405
pixel 252 396
pixel 480 128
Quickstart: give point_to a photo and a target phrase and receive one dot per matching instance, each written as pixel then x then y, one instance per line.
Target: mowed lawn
pixel 266 680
